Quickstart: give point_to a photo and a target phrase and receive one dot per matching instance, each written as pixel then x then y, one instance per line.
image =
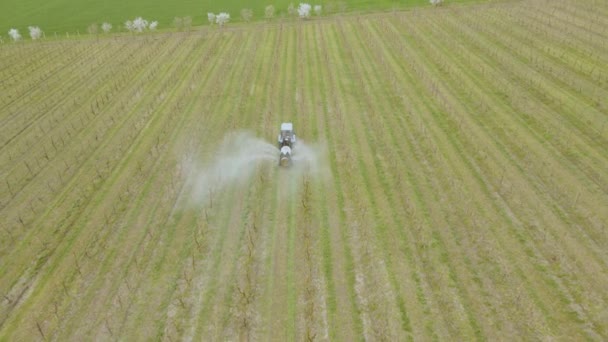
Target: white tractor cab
pixel 286 140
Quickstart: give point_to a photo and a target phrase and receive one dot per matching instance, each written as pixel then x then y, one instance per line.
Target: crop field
pixel 455 185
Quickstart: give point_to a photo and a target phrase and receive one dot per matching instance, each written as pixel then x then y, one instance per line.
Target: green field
pixel 60 16
pixel 458 189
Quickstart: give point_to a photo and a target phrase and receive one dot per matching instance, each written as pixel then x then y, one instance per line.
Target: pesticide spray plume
pixel 238 158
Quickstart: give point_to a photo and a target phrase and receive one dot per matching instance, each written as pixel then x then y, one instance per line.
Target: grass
pixel 465 197
pixel 60 16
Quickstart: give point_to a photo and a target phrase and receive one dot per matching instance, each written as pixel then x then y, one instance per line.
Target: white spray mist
pixel 237 159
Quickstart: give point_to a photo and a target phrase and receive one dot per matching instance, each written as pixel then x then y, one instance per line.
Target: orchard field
pixel 460 191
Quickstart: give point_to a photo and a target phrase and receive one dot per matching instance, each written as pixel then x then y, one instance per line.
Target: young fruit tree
pixel 291 10
pixel 222 19
pixel 106 27
pixel 35 32
pixel 14 34
pixel 153 26
pixel 187 22
pixel 269 12
pixel 211 18
pixel 93 28
pixel 178 23
pixel 140 24
pixel 129 26
pixel 304 10
pixel 247 14
pixel 318 9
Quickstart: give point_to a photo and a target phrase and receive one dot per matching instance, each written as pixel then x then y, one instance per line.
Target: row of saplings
pixel 140 24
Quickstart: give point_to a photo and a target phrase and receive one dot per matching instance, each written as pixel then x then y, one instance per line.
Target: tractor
pixel 287 140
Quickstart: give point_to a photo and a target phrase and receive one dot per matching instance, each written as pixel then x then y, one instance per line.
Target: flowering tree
pixel 35 32
pixel 211 18
pixel 436 2
pixel 14 34
pixel 140 24
pixel 153 25
pixel 269 12
pixel 304 10
pixel 317 9
pixel 106 27
pixel 222 19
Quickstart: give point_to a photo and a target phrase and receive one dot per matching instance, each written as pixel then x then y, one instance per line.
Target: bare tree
pixel 247 14
pixel 291 10
pixel 93 28
pixel 318 9
pixel 269 12
pixel 187 22
pixel 178 23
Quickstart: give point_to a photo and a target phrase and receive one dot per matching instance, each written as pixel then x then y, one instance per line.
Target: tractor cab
pixel 286 137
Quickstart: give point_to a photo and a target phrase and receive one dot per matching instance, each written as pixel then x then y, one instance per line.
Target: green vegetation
pixel 60 16
pixel 464 195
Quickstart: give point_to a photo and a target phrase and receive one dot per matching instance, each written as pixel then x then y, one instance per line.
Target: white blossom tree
pixel 211 18
pixel 436 2
pixel 304 10
pixel 222 19
pixel 318 9
pixel 35 32
pixel 153 25
pixel 106 27
pixel 269 12
pixel 14 34
pixel 140 24
pixel 247 14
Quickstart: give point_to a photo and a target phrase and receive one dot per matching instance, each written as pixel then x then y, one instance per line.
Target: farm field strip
pixel 539 156
pixel 460 192
pixel 85 217
pixel 52 131
pixel 81 170
pixel 81 126
pixel 147 237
